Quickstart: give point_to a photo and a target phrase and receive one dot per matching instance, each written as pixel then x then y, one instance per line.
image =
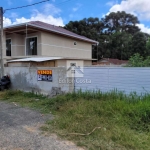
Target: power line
pixel 57 4
pixel 63 2
pixel 1 31
pixel 26 5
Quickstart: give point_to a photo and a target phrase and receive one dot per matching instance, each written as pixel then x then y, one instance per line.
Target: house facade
pixel 38 39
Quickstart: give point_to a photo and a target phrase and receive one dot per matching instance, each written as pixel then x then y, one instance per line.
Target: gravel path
pixel 19 130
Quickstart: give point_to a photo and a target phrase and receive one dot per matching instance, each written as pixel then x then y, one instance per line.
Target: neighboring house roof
pixel 54 29
pixel 114 61
pixel 109 61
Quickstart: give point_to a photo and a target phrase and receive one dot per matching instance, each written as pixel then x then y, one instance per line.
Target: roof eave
pixel 36 26
pixel 13 26
pixel 91 41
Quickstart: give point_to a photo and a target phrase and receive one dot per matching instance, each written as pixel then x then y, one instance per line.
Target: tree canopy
pixel 117 33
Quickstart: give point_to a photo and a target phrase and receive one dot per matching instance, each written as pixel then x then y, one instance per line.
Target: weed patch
pixel 114 120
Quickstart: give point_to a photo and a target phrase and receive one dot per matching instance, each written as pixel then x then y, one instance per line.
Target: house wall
pixel 56 45
pixel 51 63
pixel 66 63
pixel 32 64
pixel 4 44
pixel 87 62
pixel 18 44
pixel 18 64
pixel 49 44
pixel 4 48
pixel 61 63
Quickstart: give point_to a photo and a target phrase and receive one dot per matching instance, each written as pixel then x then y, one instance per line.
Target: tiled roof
pixel 58 30
pixel 115 61
pixel 110 61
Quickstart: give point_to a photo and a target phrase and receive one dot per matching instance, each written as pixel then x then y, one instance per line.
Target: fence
pixel 107 79
pixel 95 78
pixel 26 79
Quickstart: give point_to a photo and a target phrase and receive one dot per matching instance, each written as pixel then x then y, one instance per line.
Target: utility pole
pixel 1 40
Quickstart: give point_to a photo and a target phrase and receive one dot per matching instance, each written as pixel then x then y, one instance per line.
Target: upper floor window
pixel 8 47
pixel 31 46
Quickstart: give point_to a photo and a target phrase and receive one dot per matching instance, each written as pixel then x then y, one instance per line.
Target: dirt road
pixel 19 130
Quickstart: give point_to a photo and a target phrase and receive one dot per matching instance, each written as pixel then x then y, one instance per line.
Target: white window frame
pixel 26 43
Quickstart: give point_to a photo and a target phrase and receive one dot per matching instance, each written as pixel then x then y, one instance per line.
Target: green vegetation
pixel 124 120
pixel 138 61
pixel 117 33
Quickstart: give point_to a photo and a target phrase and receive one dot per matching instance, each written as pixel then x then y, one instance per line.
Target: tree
pixel 139 44
pixel 121 27
pixel 117 34
pixel 148 46
pixel 90 27
pixel 121 22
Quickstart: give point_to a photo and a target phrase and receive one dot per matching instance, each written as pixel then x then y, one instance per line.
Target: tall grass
pixel 124 119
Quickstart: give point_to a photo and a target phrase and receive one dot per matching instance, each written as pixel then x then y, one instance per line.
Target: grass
pixel 124 120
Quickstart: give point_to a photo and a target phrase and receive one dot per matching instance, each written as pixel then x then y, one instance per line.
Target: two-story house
pixel 37 41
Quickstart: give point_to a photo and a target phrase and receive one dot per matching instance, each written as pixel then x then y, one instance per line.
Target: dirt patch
pixel 19 130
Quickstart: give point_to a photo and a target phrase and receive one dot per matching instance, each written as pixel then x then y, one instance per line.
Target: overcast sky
pixel 60 12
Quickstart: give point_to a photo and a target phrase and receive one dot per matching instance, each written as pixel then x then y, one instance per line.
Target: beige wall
pixel 18 64
pixel 4 44
pixel 61 63
pixel 32 64
pixel 64 63
pixel 52 63
pixel 56 45
pixel 18 43
pixel 87 62
pixel 50 44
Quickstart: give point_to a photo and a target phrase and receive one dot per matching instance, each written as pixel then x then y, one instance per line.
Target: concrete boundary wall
pixel 127 79
pixel 95 78
pixel 25 78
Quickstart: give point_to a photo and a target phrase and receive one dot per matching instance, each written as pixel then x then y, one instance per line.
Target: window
pixel 8 47
pixel 31 46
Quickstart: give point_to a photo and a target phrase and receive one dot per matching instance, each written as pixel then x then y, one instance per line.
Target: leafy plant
pixel 138 61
